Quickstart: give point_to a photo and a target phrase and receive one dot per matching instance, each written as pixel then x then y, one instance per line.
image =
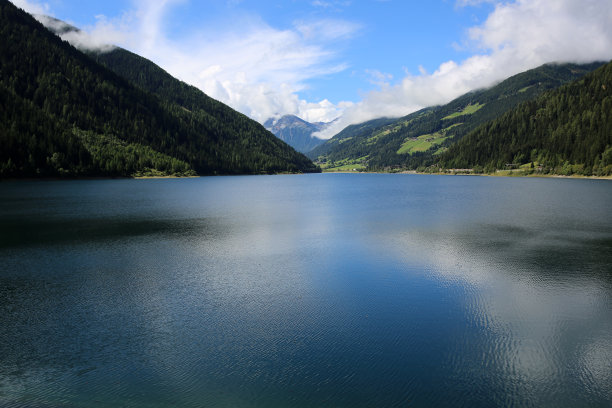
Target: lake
pixel 323 290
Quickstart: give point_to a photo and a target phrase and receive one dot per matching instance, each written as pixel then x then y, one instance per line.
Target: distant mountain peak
pixel 296 132
pixel 286 120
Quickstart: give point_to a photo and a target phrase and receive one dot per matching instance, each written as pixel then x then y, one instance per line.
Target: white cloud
pixel 549 30
pixel 258 69
pixel 327 29
pixel 100 37
pixel 516 36
pixel 32 7
pixel 253 67
pixel 379 78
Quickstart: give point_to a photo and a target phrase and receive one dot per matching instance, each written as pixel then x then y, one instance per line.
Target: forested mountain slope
pixel 233 135
pixel 352 131
pixel 63 114
pixel 415 140
pixel 564 131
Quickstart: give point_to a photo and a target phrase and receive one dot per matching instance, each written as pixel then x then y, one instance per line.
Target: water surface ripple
pixel 331 290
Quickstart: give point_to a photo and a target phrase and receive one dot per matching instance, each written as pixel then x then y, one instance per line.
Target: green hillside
pixel 348 133
pixel 417 139
pixel 63 114
pixel 565 131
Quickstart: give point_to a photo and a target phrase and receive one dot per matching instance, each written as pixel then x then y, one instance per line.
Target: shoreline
pixel 413 172
pixel 93 178
pixel 158 177
pixel 407 172
pixel 10 179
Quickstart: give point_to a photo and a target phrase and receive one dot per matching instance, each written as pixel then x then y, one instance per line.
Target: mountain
pixel 233 129
pixel 64 114
pixel 348 133
pixel 296 132
pixel 415 140
pixel 565 131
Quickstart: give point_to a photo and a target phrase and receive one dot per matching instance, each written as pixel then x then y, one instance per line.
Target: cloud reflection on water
pixel 546 292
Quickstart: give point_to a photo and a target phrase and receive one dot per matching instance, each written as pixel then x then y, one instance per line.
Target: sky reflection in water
pixel 319 290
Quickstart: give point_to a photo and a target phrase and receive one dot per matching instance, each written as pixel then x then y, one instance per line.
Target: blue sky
pixel 322 59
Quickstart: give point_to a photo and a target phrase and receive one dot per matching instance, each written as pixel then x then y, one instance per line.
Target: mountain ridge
pixel 296 132
pixel 414 140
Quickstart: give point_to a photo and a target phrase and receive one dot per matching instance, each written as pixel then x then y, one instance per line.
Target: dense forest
pixel 64 114
pixel 566 131
pixel 416 140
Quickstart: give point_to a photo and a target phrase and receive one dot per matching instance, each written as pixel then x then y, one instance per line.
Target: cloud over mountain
pixel 515 37
pixel 248 64
pixel 263 69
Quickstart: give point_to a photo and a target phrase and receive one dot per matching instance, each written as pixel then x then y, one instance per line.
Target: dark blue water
pixel 306 291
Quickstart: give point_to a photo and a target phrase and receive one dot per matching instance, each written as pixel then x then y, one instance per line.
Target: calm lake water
pixel 328 290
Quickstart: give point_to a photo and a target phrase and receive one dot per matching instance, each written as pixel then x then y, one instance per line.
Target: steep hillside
pixel 564 131
pixel 415 140
pixel 348 133
pixel 63 114
pixel 231 134
pixel 296 132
